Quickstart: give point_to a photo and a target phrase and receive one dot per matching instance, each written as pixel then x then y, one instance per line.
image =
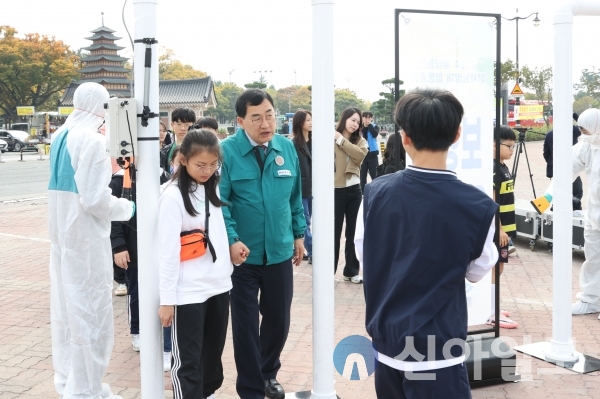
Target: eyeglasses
pixel 208 169
pixel 258 120
pixel 510 147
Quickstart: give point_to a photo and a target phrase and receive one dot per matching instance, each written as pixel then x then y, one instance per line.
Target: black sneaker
pixel 310 260
pixel 274 390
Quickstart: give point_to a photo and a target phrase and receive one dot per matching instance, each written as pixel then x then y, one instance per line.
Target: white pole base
pixel 562 352
pixel 542 350
pixel 309 395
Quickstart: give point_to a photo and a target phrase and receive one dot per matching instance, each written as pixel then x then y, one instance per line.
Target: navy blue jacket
pixel 422 230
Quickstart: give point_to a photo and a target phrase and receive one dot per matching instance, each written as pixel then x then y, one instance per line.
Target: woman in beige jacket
pixel 350 150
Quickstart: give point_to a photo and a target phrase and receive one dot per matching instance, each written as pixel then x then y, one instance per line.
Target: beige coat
pixel 348 158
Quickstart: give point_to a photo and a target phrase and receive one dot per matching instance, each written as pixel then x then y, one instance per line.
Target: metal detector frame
pixel 400 155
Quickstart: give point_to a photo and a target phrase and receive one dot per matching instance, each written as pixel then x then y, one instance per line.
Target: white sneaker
pixel 355 279
pixel 106 391
pixel 167 361
pixel 584 308
pixel 511 250
pixel 121 290
pixel 135 342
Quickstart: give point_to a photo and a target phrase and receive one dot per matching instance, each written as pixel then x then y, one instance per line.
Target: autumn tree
pixel 302 99
pixel 170 68
pixel 346 98
pixel 34 70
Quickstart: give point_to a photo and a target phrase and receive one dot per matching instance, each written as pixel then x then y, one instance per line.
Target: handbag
pixel 194 242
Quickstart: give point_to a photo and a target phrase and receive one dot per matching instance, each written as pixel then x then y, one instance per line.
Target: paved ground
pixel 25 360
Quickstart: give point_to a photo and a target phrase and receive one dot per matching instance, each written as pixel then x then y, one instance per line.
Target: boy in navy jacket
pixel 420 233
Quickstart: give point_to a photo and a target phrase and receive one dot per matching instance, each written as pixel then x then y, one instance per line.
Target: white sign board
pixel 457 53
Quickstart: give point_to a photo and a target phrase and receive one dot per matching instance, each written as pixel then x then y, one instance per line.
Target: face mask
pixel 592 139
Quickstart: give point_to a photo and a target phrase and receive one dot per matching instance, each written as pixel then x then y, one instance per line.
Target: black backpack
pixel 388 167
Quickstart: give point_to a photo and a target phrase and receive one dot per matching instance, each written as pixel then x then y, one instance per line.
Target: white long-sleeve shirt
pixel 195 280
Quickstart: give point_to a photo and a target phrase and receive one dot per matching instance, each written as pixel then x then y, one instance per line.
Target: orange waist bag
pixel 193 244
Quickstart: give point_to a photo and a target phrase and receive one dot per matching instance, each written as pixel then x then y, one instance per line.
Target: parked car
pixel 3 146
pixel 18 140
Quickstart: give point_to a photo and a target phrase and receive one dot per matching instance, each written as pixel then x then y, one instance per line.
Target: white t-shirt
pixel 195 280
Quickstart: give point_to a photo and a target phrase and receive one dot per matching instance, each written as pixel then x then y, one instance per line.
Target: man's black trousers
pixel 267 290
pixel 369 164
pixel 198 333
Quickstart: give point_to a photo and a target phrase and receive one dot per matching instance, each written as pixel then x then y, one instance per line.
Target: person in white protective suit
pixel 586 157
pixel 81 207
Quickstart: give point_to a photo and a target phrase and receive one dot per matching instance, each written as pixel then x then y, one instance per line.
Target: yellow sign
pixel 33 131
pixel 528 112
pixel 516 91
pixel 25 111
pixel 65 111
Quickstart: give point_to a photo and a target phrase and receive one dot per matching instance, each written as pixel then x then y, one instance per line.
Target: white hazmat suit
pixel 586 157
pixel 81 207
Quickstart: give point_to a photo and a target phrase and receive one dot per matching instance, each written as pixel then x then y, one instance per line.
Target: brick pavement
pixel 25 359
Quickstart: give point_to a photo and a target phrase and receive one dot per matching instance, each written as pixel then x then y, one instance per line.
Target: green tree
pixel 255 85
pixel 585 102
pixel 227 94
pixel 540 81
pixel 171 69
pixel 383 109
pixel 590 83
pixel 34 71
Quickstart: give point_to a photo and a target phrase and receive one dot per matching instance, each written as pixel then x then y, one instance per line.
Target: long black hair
pixel 341 125
pixel 195 142
pixel 298 122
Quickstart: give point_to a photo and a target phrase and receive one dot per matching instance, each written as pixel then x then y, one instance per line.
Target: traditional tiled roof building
pixel 105 66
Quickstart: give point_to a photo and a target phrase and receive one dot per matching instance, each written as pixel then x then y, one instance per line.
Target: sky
pixel 238 40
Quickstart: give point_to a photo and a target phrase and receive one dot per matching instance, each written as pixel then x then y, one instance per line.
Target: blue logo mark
pixel 354 358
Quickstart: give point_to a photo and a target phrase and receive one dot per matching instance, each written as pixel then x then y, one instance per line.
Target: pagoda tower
pixel 103 65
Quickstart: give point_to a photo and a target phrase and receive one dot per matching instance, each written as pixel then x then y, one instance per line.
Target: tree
pixel 585 102
pixel 33 71
pixel 590 83
pixel 227 94
pixel 540 80
pixel 255 85
pixel 302 99
pixel 345 98
pixel 171 69
pixel 383 108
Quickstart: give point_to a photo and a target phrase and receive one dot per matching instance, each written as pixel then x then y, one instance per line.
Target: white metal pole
pixel 562 348
pixel 151 345
pixel 323 206
pixel 562 345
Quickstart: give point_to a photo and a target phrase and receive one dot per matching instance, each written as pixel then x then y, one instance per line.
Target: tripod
pixel 520 148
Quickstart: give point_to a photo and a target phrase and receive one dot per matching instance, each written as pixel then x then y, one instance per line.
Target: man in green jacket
pixel 260 179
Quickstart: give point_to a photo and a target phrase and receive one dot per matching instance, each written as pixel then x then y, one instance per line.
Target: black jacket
pixel 549 148
pixel 165 164
pixel 305 158
pixel 123 235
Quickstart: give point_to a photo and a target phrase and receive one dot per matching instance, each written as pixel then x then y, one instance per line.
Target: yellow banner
pixel 65 111
pixel 523 112
pixel 25 111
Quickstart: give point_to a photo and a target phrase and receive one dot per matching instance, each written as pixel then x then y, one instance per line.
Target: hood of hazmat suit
pixel 590 121
pixel 81 207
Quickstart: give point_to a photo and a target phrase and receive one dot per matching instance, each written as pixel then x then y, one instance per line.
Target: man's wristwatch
pixel 298 236
pixel 237 239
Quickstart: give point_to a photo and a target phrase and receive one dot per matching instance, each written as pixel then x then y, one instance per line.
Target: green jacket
pixel 265 211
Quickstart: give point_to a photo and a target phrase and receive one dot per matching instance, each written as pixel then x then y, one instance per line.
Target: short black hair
pixel 251 97
pixel 206 122
pixel 506 133
pixel 183 115
pixel 367 114
pixel 430 118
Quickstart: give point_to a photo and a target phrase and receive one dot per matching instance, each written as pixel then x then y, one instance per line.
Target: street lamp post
pixel 536 23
